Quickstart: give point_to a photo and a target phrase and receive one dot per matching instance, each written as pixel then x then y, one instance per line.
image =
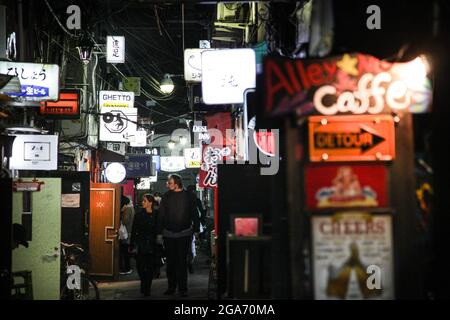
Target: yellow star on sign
pixel 348 64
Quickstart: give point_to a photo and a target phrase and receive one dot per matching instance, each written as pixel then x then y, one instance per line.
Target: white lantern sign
pixel 115 49
pixel 115 172
pixel 226 74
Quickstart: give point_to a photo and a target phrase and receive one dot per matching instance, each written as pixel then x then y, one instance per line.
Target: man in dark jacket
pixel 178 220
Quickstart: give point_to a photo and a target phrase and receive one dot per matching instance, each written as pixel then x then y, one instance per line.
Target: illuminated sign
pixel 115 172
pixel 193 64
pixel 117 124
pixel 34 152
pixel 226 74
pixel 347 84
pixel 67 106
pixel 351 138
pixel 193 157
pixel 172 164
pixel 116 99
pixel 115 49
pixel 39 82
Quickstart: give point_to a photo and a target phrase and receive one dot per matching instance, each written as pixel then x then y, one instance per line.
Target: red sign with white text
pixel 219 149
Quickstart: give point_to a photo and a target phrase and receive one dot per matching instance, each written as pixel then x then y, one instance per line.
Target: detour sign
pixel 351 138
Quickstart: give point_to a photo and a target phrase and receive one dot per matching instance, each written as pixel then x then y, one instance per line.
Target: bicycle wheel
pixel 87 291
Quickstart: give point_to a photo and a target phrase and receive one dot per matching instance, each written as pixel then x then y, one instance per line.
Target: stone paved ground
pixel 128 286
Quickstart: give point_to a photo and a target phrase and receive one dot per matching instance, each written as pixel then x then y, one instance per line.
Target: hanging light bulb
pixel 171 144
pixel 166 84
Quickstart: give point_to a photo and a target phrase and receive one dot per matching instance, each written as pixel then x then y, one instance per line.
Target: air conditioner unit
pixel 233 12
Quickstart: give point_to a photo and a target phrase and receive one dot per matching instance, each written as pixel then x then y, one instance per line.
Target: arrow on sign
pixel 362 140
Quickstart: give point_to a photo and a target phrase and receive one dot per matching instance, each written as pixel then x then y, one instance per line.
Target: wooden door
pixel 104 221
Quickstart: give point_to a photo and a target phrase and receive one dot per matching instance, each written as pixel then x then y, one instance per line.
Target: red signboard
pixel 348 84
pixel 355 185
pixel 246 227
pixel 220 148
pixel 351 138
pixel 67 107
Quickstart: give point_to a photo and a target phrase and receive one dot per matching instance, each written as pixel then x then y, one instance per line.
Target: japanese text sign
pixel 39 82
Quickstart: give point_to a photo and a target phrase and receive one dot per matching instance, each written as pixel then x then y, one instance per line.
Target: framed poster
pixel 352 255
pixel 246 225
pixel 346 185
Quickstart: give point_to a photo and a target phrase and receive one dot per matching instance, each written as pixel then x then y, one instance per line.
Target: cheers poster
pixel 347 247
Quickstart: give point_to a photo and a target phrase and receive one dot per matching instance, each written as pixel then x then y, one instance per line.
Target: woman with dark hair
pixel 143 238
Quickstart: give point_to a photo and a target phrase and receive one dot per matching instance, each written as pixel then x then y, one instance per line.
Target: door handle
pixel 54 255
pixel 108 237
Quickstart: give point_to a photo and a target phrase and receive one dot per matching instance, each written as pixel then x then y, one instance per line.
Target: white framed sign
pixel 192 157
pixel 226 74
pixel 172 164
pixel 39 82
pixel 115 172
pixel 34 152
pixel 139 139
pixel 115 49
pixel 116 99
pixel 349 247
pixel 193 64
pixel 117 124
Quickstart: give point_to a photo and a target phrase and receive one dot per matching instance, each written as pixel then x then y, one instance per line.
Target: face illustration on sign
pixel 115 121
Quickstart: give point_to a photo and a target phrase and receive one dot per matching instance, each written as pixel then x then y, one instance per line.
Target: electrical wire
pixel 59 22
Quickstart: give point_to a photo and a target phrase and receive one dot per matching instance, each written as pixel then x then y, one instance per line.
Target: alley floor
pixel 128 286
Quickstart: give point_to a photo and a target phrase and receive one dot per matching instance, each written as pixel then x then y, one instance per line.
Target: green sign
pixel 132 84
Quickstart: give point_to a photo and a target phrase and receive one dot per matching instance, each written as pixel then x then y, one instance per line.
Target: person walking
pixel 127 217
pixel 202 216
pixel 178 220
pixel 143 239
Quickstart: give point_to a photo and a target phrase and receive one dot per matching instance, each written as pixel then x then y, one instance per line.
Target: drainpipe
pixel 21 33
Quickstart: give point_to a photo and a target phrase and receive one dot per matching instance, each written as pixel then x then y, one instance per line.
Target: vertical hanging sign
pixel 115 49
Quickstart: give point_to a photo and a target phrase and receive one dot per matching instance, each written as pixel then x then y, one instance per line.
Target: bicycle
pixel 74 255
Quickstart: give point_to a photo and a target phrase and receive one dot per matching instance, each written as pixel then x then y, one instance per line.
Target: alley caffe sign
pixel 351 138
pixel 348 84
